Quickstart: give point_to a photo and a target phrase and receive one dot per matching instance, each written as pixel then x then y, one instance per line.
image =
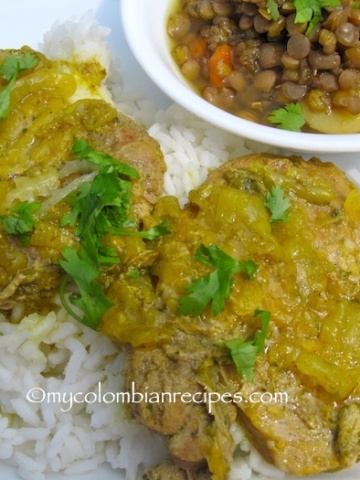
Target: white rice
pixel 190 146
pixel 58 357
pixel 53 353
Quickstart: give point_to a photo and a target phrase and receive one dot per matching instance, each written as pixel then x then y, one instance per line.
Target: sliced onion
pixel 65 191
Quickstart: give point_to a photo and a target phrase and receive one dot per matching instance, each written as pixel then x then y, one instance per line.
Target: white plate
pixel 24 22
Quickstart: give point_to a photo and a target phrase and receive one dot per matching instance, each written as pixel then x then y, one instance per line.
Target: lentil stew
pixel 273 62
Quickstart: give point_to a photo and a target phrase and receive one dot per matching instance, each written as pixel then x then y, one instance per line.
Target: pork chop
pixel 304 237
pixel 36 141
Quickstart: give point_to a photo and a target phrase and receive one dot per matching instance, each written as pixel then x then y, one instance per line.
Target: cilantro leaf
pixel 101 205
pixel 91 300
pixel 278 204
pixel 306 10
pixel 153 233
pixel 203 291
pixel 10 70
pixel 244 353
pixel 214 288
pixel 312 11
pixel 14 65
pixel 157 231
pixel 260 336
pixel 5 105
pixel 289 117
pixel 134 273
pixel 273 8
pixel 85 152
pixel 22 223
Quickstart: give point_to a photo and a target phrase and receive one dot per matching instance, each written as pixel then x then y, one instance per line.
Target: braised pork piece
pixel 37 163
pixel 307 279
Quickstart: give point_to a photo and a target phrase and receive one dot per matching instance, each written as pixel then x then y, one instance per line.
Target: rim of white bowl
pixel 144 27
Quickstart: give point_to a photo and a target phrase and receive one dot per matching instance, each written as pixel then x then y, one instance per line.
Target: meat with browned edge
pixel 308 278
pixel 36 140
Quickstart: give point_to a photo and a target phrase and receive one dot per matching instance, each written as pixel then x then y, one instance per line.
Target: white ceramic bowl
pixel 144 24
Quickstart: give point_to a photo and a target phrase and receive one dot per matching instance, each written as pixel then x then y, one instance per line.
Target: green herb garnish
pixel 151 234
pixel 10 70
pixel 85 152
pixel 99 208
pixel 244 353
pixel 273 8
pixel 134 274
pixel 278 204
pixel 91 299
pixel 214 288
pixel 310 11
pixel 22 221
pixel 289 117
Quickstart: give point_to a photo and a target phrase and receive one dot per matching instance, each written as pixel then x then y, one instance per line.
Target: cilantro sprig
pixel 91 299
pixel 278 205
pixel 84 151
pixel 21 222
pixel 244 352
pixel 289 117
pixel 311 11
pixel 214 288
pixel 99 208
pixel 306 11
pixel 10 70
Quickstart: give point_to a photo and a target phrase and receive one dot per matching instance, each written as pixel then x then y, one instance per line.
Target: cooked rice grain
pixel 59 356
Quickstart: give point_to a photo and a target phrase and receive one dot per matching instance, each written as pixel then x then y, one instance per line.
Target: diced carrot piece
pixel 220 65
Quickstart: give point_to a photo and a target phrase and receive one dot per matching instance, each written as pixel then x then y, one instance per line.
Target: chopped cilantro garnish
pixel 278 204
pixel 91 299
pixel 289 117
pixel 10 70
pixel 22 221
pixel 244 353
pixel 151 234
pixel 214 288
pixel 306 11
pixel 273 9
pixel 85 152
pixel 310 11
pixel 100 205
pixel 99 208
